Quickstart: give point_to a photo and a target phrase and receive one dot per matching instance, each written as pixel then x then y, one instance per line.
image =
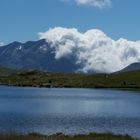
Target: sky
pixel 22 20
pixel 104 35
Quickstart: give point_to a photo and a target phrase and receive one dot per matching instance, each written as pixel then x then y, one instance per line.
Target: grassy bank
pixel 92 136
pixel 46 79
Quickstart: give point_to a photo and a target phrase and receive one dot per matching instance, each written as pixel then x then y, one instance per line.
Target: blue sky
pixel 21 20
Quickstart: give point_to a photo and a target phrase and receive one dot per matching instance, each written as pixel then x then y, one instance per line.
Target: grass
pixel 91 136
pixel 46 79
pixel 6 71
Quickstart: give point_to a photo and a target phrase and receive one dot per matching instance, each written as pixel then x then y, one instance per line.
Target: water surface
pixel 71 111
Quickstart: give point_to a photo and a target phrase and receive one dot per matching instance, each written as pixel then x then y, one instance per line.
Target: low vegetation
pixel 46 79
pixel 92 136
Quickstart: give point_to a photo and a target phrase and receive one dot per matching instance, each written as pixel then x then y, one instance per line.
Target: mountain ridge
pixel 131 67
pixel 39 55
pixel 35 55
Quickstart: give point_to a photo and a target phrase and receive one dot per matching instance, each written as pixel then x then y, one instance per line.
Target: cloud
pixel 95 3
pixel 1 44
pixel 93 49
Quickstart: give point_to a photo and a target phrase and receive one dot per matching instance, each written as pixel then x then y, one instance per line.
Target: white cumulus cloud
pixel 95 3
pixel 94 50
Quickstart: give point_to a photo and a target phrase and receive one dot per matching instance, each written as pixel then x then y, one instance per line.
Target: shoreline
pixel 66 87
pixel 61 136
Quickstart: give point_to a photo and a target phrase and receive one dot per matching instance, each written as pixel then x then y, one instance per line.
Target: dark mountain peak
pixel 28 43
pixel 131 67
pixel 42 41
pixel 15 43
pixel 35 55
pixel 39 42
pixel 135 64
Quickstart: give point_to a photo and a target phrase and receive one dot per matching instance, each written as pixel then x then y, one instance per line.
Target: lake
pixel 71 111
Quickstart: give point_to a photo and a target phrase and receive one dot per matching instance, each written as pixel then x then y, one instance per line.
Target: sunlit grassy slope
pixel 92 136
pixel 47 79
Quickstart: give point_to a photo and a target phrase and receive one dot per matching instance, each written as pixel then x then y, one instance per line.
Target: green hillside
pixel 92 136
pixel 5 71
pixel 46 79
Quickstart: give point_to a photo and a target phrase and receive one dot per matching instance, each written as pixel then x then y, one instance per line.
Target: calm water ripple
pixel 71 111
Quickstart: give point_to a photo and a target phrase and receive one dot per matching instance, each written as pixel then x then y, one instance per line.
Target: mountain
pixel 6 71
pixel 35 55
pixel 39 55
pixel 131 67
